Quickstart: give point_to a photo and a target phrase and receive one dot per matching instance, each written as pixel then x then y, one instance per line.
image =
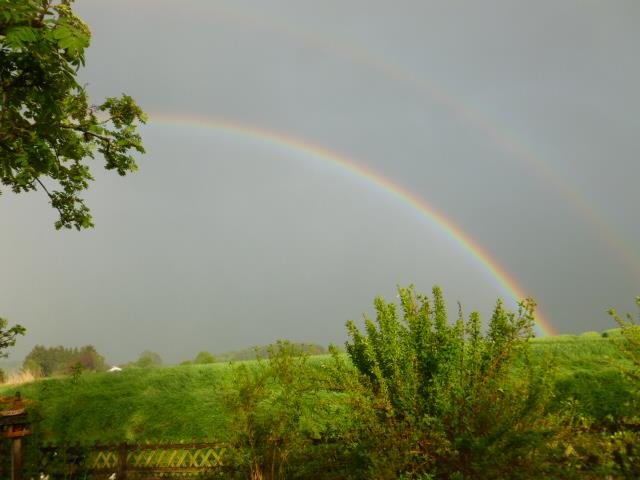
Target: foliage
pixel 284 417
pixel 148 359
pixel 172 403
pixel 448 395
pixel 76 372
pixel 8 336
pixel 48 129
pixel 629 340
pixel 32 366
pixel 48 361
pixel 589 370
pixel 263 351
pixel 203 358
pixel 337 426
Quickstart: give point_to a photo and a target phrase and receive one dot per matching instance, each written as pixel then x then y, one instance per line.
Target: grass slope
pixel 590 369
pixel 182 402
pixel 170 403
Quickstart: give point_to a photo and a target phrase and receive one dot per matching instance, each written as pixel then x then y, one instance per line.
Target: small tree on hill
pixel 204 358
pixel 148 359
pixel 90 359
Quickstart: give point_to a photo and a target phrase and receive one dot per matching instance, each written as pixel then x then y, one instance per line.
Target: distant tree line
pixel 49 361
pixel 253 353
pixel 264 351
pixel 59 360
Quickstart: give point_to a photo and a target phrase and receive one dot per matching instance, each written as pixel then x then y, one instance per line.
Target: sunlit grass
pixel 19 378
pixel 181 402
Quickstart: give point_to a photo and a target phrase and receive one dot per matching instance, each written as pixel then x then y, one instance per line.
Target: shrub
pixel 148 359
pixel 285 420
pixel 449 398
pixel 629 339
pixel 203 358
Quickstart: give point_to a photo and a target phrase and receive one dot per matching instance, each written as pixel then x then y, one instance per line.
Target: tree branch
pixel 44 188
pixel 87 132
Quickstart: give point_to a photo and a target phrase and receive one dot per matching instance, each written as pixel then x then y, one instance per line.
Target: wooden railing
pixel 135 460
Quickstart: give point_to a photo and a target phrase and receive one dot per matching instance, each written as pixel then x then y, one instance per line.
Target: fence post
pixel 122 461
pixel 16 458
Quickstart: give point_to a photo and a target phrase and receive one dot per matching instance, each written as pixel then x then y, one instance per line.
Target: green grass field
pixel 589 368
pixel 181 402
pixel 135 404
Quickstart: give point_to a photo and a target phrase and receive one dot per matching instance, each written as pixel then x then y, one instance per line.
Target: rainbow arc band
pixel 399 193
pixel 498 134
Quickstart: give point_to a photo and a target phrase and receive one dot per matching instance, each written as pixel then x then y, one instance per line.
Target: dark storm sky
pixel 517 120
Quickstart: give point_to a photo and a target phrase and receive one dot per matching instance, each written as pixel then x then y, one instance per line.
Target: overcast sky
pixel 516 120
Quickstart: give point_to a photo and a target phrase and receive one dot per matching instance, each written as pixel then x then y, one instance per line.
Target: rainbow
pixel 506 141
pixel 401 194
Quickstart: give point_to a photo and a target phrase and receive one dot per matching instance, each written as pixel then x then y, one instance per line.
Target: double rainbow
pixel 347 165
pixel 504 139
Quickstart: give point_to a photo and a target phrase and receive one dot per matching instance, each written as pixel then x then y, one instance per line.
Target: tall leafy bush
pixel 455 400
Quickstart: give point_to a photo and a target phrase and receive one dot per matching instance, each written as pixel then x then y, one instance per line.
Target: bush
pixel 148 359
pixel 629 339
pixel 450 401
pixel 285 420
pixel 203 358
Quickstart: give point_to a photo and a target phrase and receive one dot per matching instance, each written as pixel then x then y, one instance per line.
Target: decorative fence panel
pixel 135 461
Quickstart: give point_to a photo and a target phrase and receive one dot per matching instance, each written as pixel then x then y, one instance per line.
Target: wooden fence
pixel 134 461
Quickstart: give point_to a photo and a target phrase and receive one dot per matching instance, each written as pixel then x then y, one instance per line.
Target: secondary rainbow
pixel 401 194
pixel 505 140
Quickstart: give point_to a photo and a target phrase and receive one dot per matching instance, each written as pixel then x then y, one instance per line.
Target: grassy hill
pixel 181 402
pixel 588 368
pixel 153 403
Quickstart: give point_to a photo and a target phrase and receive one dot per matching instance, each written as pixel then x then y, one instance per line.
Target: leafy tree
pixel 49 361
pixel 48 129
pixel 204 358
pixel 89 358
pixel 148 359
pixel 8 336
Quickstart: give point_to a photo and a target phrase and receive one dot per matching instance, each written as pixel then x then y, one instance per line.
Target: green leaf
pixel 60 32
pixel 67 42
pixel 20 36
